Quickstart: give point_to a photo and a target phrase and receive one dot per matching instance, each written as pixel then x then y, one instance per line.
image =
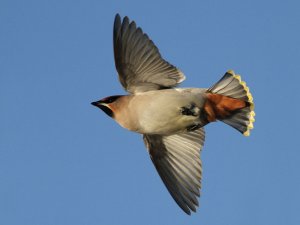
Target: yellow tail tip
pixel 250 100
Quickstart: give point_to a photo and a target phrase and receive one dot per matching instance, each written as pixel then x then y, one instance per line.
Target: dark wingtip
pixel 117 16
pixel 117 25
pixel 117 21
pixel 126 19
pixel 187 212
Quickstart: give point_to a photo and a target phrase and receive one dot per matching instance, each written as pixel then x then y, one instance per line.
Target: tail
pixel 230 101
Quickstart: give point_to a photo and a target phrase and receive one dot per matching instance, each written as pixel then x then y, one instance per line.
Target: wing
pixel 177 160
pixel 138 61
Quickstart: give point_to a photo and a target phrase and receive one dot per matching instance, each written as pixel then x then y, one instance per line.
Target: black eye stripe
pixel 110 99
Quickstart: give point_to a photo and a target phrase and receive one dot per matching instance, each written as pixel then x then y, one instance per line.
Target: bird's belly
pixel 164 120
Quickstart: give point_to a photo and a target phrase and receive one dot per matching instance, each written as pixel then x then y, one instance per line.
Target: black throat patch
pixel 107 110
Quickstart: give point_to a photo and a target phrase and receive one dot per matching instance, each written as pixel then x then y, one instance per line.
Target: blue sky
pixel 62 161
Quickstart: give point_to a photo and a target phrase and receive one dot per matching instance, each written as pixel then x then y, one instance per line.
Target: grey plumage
pixel 138 61
pixel 230 85
pixel 177 160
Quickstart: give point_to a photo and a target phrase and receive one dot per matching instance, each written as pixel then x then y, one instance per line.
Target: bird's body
pixel 161 112
pixel 171 119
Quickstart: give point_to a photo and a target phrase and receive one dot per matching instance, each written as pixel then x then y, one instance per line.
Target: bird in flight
pixel 171 119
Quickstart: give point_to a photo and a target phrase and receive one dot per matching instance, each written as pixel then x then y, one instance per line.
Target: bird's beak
pixel 97 104
pixel 104 107
pixel 100 104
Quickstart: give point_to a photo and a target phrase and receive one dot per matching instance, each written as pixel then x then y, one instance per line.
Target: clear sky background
pixel 62 161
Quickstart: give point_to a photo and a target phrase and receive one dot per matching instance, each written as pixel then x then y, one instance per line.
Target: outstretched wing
pixel 177 160
pixel 138 61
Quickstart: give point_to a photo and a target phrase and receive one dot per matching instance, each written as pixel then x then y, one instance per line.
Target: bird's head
pixel 108 104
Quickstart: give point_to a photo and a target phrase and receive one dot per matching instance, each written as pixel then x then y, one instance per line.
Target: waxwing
pixel 171 119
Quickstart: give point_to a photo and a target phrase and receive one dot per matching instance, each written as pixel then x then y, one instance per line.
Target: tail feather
pixel 231 85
